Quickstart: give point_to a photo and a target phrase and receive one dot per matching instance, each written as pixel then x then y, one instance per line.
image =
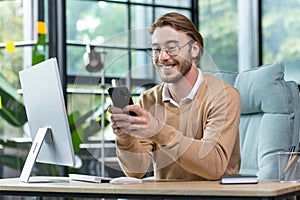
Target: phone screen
pixel 121 97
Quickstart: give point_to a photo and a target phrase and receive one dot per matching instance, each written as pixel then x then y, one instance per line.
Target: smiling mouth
pixel 167 67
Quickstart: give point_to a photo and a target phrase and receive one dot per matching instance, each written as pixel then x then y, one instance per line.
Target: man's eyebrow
pixel 169 41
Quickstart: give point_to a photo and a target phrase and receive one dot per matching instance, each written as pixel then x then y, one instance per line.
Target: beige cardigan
pixel 198 141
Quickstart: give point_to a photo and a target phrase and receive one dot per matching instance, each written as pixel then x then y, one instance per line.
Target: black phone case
pixel 121 97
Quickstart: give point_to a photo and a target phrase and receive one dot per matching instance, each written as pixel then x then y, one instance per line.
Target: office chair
pixel 270 117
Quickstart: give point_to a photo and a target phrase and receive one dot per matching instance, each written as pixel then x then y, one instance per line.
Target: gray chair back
pixel 270 117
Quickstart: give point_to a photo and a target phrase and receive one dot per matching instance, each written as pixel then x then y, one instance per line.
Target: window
pixel 280 35
pixel 119 30
pixel 18 34
pixel 218 24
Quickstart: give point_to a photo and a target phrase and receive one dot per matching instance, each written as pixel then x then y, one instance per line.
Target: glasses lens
pixel 173 51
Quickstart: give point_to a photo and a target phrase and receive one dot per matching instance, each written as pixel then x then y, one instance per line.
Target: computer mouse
pixel 125 181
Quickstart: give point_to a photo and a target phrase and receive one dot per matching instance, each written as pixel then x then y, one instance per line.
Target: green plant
pixel 12 110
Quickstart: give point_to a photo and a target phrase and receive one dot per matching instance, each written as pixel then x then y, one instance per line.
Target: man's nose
pixel 163 55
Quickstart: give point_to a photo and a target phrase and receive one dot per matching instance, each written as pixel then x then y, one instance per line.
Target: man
pixel 188 125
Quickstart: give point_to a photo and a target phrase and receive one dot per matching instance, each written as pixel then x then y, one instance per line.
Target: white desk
pixel 149 189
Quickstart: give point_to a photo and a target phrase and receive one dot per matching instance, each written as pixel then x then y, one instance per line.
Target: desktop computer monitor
pixel 47 117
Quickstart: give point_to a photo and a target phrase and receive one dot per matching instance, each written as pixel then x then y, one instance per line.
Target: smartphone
pixel 121 97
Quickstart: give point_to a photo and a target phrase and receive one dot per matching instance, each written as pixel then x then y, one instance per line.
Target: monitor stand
pixel 43 134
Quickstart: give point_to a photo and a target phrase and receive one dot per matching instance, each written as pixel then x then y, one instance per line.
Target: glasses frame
pixel 150 51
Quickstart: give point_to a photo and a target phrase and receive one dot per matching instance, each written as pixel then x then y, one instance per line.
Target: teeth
pixel 166 67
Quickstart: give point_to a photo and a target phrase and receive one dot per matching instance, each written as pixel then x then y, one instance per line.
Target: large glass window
pixel 117 29
pixel 18 23
pixel 218 24
pixel 280 35
pixel 17 30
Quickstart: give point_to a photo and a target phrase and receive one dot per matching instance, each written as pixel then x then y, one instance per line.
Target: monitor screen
pixel 47 117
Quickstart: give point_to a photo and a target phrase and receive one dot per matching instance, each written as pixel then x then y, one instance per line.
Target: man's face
pixel 172 54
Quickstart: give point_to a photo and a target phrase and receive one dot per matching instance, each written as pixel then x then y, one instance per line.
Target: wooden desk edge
pixel 166 188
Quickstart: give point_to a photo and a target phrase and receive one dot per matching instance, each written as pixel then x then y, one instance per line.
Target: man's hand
pixel 144 125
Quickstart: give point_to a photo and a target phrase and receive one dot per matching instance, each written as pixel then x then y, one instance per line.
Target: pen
pixel 291 158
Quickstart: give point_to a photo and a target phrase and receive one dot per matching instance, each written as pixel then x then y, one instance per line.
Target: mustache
pixel 167 63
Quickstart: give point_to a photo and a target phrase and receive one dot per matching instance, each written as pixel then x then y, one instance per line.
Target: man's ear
pixel 195 50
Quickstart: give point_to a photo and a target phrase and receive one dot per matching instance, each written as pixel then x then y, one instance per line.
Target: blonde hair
pixel 182 24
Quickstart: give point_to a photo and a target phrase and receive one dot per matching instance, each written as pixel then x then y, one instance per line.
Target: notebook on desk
pixel 89 178
pixel 239 179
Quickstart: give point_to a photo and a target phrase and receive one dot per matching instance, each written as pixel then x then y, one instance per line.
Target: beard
pixel 185 68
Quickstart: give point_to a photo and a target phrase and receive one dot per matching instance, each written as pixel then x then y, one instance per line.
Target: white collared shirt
pixel 167 97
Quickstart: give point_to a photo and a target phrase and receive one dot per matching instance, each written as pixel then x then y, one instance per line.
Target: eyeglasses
pixel 172 49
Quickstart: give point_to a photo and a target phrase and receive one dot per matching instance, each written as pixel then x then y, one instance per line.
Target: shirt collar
pixel 167 97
